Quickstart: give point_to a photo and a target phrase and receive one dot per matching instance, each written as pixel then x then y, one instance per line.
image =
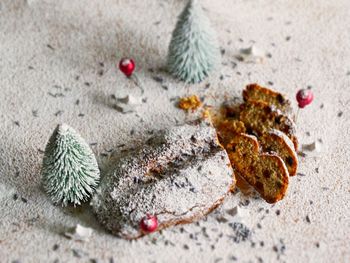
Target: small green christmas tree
pixel 193 50
pixel 70 172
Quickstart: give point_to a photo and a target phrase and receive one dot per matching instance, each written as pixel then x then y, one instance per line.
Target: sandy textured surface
pixel 54 54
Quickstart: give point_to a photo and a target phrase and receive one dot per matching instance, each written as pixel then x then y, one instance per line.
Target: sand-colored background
pixel 53 53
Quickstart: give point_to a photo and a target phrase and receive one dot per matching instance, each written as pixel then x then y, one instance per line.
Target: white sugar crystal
pixel 238 213
pixel 128 103
pixel 80 233
pixel 6 192
pixel 312 147
pixel 251 54
pixel 130 100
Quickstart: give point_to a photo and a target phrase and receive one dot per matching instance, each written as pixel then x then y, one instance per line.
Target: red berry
pixel 127 66
pixel 149 223
pixel 304 97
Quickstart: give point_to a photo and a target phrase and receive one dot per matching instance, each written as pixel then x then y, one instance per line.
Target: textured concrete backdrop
pixel 57 64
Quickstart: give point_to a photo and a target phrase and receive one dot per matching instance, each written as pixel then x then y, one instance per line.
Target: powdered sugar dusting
pixel 177 176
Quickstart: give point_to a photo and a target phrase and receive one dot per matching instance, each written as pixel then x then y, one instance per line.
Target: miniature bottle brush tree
pixel 70 172
pixel 193 50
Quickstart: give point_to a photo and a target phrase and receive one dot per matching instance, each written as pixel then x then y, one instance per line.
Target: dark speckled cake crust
pixel 179 175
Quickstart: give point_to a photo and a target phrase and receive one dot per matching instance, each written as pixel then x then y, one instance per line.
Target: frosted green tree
pixel 193 50
pixel 70 172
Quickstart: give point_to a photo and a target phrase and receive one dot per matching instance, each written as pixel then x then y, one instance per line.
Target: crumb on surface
pixel 189 103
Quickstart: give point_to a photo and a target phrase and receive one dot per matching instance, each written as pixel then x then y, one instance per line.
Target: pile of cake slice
pixel 259 136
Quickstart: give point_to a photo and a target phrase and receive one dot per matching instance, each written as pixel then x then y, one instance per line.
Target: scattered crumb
pixel 190 103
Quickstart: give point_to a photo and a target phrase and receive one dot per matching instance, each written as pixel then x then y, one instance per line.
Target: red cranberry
pixel 304 97
pixel 149 223
pixel 127 66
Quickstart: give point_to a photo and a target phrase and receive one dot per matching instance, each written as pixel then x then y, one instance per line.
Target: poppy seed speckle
pixel 307 218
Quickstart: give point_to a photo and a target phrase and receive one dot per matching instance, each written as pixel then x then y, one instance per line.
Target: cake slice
pixel 274 141
pixel 259 118
pixel 277 142
pixel 227 128
pixel 266 172
pixel 254 92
